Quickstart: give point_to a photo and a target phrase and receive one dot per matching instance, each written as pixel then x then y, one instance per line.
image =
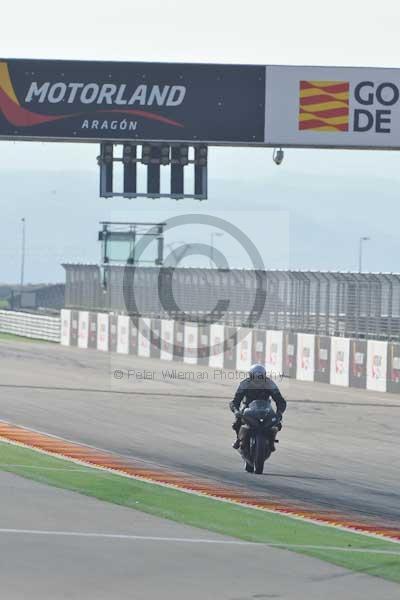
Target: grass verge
pixel 335 546
pixel 21 338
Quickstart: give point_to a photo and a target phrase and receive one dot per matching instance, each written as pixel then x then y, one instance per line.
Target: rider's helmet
pixel 257 372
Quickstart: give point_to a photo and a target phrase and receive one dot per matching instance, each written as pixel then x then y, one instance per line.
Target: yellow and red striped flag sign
pixel 324 106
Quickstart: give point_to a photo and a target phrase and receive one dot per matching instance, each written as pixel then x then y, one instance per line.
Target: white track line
pixel 41 468
pixel 187 490
pixel 178 540
pixel 125 536
pixel 333 548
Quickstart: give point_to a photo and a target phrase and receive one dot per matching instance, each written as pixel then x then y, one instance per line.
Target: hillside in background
pixel 321 220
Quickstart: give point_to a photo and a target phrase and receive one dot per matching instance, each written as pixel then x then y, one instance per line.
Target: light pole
pixel 360 251
pixel 22 254
pixel 213 235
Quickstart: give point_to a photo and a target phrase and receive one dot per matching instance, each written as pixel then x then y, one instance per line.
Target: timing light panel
pixel 153 156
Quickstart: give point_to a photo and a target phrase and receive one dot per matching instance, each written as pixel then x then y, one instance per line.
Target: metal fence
pixel 361 305
pixel 29 325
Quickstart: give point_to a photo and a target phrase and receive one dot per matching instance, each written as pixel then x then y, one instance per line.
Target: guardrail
pixel 31 326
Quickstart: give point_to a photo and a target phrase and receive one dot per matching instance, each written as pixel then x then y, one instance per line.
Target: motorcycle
pixel 257 434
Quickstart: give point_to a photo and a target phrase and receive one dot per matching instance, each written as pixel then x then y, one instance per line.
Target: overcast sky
pixel 350 33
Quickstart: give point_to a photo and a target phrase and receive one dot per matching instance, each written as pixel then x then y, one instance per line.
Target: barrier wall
pixel 243 349
pixel 83 329
pixel 305 356
pixel 340 357
pixel 204 344
pixel 258 352
pixel 144 337
pixel 290 355
pixel 393 368
pixel 372 365
pixel 376 366
pixel 102 331
pixel 34 326
pixel 274 352
pixel 322 359
pixel 216 355
pixel 358 364
pixel 123 334
pixel 190 343
pixel 66 327
pixel 74 333
pixel 167 340
pixel 92 340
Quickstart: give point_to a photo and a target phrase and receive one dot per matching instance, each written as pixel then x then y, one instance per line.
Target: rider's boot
pixel 273 441
pixel 236 444
pixel 236 428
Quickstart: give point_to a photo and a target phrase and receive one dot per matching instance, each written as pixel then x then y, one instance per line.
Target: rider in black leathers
pixel 257 386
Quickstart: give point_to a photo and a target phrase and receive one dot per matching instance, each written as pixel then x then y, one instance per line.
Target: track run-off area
pixel 337 461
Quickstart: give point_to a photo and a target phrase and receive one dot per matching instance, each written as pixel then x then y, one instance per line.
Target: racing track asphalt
pixel 55 544
pixel 339 448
